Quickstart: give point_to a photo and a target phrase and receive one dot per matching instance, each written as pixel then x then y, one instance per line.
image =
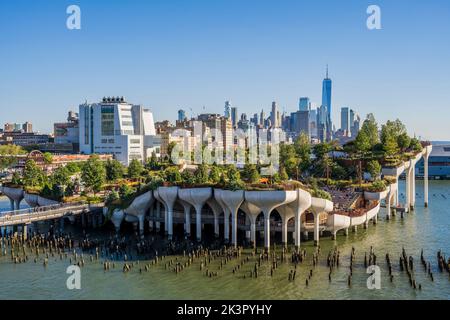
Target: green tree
pixel 374 168
pixel 214 174
pixel 201 174
pixel 303 149
pixel 188 177
pixel 390 146
pixel 16 179
pixel 370 130
pixel 250 173
pixel 48 158
pixel 114 170
pixel 125 191
pixel 135 169
pixel 112 196
pixel 74 167
pixel 362 143
pixel 415 145
pixel 93 174
pixel 153 163
pixel 403 141
pixel 234 178
pixel 283 174
pixel 33 176
pixel 61 177
pixel 172 175
pixel 289 160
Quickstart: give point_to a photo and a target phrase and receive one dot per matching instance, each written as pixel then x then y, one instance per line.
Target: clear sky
pixel 190 54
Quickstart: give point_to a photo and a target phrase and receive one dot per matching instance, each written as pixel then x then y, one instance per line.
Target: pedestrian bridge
pixel 27 216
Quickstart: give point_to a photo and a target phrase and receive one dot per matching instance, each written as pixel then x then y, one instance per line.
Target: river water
pixel 425 228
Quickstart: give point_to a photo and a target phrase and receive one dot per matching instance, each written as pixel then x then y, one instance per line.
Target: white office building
pixel 116 127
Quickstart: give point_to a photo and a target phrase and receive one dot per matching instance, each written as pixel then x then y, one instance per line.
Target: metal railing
pixel 26 216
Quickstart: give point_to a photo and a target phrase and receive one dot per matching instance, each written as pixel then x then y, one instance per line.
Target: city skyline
pixel 201 61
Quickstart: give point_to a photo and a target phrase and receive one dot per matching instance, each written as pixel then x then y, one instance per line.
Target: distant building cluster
pixel 127 131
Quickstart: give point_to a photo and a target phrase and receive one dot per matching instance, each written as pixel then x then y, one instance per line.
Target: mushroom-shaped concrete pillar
pixel 139 208
pixel 216 209
pixel 117 218
pixel 197 198
pixel 31 199
pixel 426 155
pixel 319 206
pixel 286 213
pixel 158 210
pixel 390 199
pixel 14 195
pixel 301 204
pixel 187 217
pixel 233 200
pixel 168 195
pixel 252 211
pixel 268 201
pixel 226 214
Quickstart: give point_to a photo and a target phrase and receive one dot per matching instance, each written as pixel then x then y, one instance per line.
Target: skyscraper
pixel 304 104
pixel 181 115
pixel 262 117
pixel 234 117
pixel 27 127
pixel 227 112
pixel 322 127
pixel 345 120
pixel 274 115
pixel 326 102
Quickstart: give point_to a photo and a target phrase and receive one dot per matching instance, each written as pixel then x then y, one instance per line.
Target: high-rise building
pixel 222 124
pixel 27 127
pixel 322 123
pixel 181 115
pixel 262 118
pixel 355 122
pixel 234 117
pixel 67 133
pixel 345 120
pixel 274 115
pixel 227 112
pixel 304 104
pixel 326 101
pixel 313 123
pixel 300 123
pixel 254 120
pixel 116 127
pixel 9 127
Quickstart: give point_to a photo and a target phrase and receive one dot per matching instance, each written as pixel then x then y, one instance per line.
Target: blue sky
pixel 169 54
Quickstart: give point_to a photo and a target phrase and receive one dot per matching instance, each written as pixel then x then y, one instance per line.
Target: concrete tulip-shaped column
pixel 14 195
pixel 252 211
pixel 117 218
pixel 319 206
pixel 187 217
pixel 226 214
pixel 168 195
pixel 286 213
pixel 31 199
pixel 233 200
pixel 268 201
pixel 428 151
pixel 217 210
pixel 390 199
pixel 197 198
pixel 409 185
pixel 302 203
pixel 139 208
pixel 158 212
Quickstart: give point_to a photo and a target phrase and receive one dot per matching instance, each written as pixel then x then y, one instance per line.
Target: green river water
pixel 425 228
